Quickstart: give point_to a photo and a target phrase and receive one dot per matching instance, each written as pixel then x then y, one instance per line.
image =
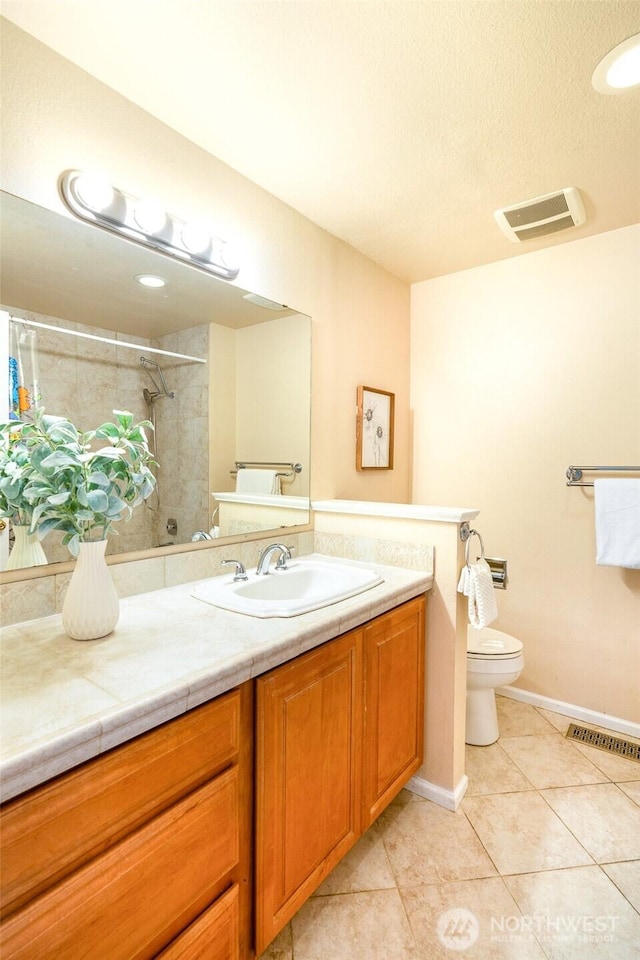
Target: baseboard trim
pixel 450 799
pixel 572 710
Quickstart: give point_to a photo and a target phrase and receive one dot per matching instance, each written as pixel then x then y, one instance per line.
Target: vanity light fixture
pixel 620 69
pixel 94 200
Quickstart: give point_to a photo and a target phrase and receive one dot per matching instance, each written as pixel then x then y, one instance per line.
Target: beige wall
pixel 272 378
pixel 519 369
pixel 56 117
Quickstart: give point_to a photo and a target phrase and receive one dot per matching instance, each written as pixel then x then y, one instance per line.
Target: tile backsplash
pixel 40 597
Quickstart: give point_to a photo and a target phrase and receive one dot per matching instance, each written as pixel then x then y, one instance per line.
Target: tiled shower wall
pixel 182 439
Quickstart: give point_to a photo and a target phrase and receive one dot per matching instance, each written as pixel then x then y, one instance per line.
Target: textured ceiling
pixel 397 126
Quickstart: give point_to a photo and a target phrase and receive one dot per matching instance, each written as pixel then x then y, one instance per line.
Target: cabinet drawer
pixel 139 895
pixel 53 830
pixel 213 936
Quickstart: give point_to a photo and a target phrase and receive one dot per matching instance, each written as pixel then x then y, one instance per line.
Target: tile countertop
pixel 65 701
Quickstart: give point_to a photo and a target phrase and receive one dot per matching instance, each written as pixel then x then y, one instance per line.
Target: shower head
pixel 163 390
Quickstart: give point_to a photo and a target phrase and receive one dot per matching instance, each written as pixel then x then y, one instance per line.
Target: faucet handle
pixel 281 562
pixel 240 574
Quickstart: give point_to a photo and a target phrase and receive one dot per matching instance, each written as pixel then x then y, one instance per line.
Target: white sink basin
pixel 306 585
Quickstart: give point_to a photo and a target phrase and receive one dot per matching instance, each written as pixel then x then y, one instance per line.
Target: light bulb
pixel 94 192
pixel 196 238
pixel 224 254
pixel 150 217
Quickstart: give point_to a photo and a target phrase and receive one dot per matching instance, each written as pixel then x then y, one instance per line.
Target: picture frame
pixel 374 429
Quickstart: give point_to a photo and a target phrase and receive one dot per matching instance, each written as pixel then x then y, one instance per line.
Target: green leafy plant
pixel 15 473
pixel 54 473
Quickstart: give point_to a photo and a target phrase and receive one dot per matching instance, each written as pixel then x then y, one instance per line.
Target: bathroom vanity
pixel 176 842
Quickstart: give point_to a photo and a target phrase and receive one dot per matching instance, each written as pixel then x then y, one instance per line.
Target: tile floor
pixel 542 860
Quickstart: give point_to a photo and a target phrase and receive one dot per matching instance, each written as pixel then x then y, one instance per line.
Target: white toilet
pixel 494 659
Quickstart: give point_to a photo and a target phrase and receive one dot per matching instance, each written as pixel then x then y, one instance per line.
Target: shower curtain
pixel 24 388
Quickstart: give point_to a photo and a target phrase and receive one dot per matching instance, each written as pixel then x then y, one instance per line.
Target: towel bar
pixel 244 464
pixel 574 474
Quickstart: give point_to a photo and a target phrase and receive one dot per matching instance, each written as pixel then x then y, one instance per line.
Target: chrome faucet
pixel 267 553
pixel 240 574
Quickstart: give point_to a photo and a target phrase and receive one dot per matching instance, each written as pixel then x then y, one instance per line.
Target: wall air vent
pixel 542 215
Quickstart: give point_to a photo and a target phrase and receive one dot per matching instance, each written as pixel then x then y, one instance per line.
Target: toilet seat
pixel 489 644
pixel 494 659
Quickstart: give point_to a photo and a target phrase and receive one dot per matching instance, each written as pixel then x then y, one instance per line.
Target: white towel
pixel 476 584
pixel 262 482
pixel 617 510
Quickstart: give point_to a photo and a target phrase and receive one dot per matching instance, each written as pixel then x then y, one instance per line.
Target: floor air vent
pixel 603 741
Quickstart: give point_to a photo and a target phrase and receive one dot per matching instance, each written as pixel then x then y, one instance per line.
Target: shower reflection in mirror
pixel 86 385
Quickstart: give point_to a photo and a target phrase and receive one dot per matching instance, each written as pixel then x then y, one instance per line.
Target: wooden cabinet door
pixel 394 704
pixel 308 776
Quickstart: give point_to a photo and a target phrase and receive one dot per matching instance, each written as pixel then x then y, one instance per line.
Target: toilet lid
pixel 490 642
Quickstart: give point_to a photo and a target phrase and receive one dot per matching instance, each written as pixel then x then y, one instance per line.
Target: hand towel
pixel 476 584
pixel 262 482
pixel 617 510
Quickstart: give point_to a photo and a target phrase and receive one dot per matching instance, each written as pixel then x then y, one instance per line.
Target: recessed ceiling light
pixel 148 280
pixel 620 69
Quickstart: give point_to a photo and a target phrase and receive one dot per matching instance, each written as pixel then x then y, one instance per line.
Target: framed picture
pixel 374 429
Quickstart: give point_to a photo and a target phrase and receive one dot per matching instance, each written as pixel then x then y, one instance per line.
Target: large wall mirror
pixel 231 413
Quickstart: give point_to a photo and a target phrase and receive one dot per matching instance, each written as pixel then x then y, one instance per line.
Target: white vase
pixel 27 550
pixel 91 607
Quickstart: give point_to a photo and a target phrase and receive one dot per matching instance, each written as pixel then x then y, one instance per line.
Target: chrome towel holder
pixel 465 535
pixel 574 474
pixel 497 565
pixel 293 468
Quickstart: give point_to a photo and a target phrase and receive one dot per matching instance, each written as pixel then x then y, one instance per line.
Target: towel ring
pixel 473 533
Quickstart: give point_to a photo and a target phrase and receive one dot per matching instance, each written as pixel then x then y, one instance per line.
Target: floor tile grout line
pixel 494 864
pixel 579 754
pixel 566 825
pixel 523 915
pixel 539 709
pixel 519 769
pixel 611 880
pixel 407 918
